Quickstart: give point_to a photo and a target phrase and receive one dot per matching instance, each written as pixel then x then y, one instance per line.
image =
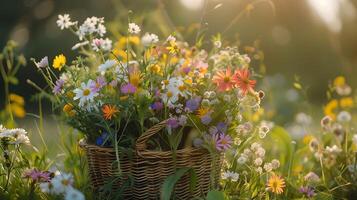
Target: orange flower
pixel 109 111
pixel 241 78
pixel 276 184
pixel 224 80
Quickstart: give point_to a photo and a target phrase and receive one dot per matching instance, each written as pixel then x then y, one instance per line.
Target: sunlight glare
pixel 192 4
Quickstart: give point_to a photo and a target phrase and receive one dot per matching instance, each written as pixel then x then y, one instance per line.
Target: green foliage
pixel 168 186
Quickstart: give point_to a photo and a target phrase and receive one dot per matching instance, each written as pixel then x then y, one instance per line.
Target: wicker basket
pixel 149 169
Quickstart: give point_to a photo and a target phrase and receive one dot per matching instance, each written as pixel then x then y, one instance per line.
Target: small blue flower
pixel 103 138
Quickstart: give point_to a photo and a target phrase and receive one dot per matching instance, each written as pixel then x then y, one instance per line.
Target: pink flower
pixel 222 141
pixel 224 80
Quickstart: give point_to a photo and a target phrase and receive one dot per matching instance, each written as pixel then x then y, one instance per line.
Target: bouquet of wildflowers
pixel 114 92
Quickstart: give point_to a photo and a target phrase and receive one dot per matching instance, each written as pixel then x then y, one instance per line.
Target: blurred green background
pixel 313 39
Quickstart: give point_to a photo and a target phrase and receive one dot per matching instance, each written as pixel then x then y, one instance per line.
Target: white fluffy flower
pixel 61 182
pixel 334 149
pixel 107 44
pixel 275 163
pixel 134 28
pixel 268 167
pixel 263 130
pixel 312 177
pixel 242 159
pixel 260 152
pixel 255 146
pixel 259 170
pixel 344 116
pixel 101 44
pixel 230 175
pixel 258 161
pixel 101 30
pixel 149 39
pixel 64 21
pixel 73 194
pixel 91 25
pixel 106 65
pixel 84 93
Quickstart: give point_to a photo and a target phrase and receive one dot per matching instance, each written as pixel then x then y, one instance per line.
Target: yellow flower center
pixel 169 94
pixel 227 79
pixel 86 92
pixel 182 87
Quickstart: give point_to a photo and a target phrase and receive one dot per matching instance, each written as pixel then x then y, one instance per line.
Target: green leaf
pixel 13 80
pixel 169 183
pixel 215 195
pixel 283 143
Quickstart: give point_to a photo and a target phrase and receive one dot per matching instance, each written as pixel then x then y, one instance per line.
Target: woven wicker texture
pixel 149 169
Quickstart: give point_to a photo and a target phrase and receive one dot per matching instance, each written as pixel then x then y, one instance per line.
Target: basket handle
pixel 141 141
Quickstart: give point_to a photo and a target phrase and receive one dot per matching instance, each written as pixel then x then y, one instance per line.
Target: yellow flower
pixel 71 113
pixel 120 54
pixel 307 138
pixel 346 102
pixel 339 81
pixel 59 61
pixel 202 112
pixel 70 95
pixel 134 40
pixel 330 108
pixel 67 108
pixel 17 110
pixel 17 99
pixel 155 69
pixel 135 78
pixel 276 184
pixel 173 48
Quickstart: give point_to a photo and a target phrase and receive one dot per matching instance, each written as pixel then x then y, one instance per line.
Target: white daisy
pixel 21 139
pixel 61 182
pixel 73 194
pixel 106 65
pixel 64 21
pixel 85 93
pixel 134 28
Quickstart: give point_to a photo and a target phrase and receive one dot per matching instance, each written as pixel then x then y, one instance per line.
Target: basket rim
pixel 146 153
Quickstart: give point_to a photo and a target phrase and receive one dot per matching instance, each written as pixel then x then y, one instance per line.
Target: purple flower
pixel 307 191
pixel 157 106
pixel 222 127
pixel 43 63
pixel 98 84
pixel 193 104
pixel 128 89
pixel 182 120
pixel 38 176
pixel 173 123
pixel 222 141
pixel 206 119
pixel 186 70
pixel 58 87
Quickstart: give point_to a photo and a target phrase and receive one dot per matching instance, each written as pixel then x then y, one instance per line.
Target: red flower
pixel 241 79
